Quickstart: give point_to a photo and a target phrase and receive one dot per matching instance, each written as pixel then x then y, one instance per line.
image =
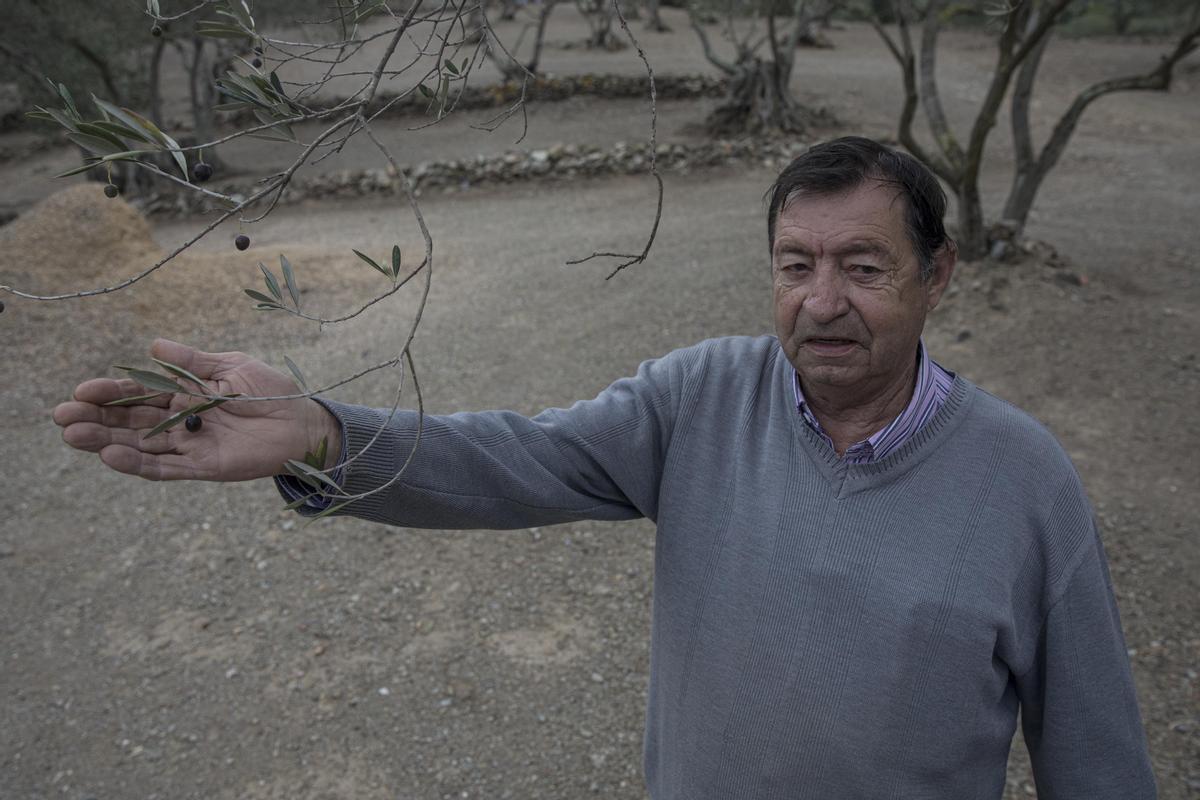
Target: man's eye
pixel 865 269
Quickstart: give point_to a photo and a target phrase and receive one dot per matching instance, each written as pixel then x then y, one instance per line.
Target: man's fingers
pixel 199 363
pixel 99 391
pixel 144 417
pixel 93 438
pixel 152 467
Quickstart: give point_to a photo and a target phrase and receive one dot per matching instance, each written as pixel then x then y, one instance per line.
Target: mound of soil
pixel 77 233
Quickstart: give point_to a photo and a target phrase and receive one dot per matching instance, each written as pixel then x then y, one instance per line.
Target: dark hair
pixel 843 164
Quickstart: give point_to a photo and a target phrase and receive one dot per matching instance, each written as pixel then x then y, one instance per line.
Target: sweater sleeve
pixel 1079 708
pixel 599 459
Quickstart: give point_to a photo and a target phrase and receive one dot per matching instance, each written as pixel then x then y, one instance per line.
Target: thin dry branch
pixel 627 258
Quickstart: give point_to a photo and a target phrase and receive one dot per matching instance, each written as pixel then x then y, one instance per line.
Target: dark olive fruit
pixel 256 63
pixel 193 423
pixel 156 30
pixel 201 172
pixel 258 49
pixel 1 306
pixel 242 241
pixel 110 190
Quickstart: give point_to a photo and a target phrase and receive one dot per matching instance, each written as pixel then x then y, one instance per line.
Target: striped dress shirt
pixel 932 389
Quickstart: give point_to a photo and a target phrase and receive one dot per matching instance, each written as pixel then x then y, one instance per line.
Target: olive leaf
pixel 175 419
pixel 111 112
pixel 305 472
pixel 326 512
pixel 128 401
pixel 261 298
pixel 152 380
pixel 272 284
pixel 290 279
pixel 451 68
pixel 296 371
pixel 82 168
pixel 66 97
pixel 292 506
pixel 95 131
pixel 180 371
pixel 277 85
pixel 95 144
pixel 117 129
pixel 372 262
pixel 395 261
pixel 163 139
pixel 217 30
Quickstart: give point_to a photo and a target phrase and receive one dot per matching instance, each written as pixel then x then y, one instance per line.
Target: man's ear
pixel 944 260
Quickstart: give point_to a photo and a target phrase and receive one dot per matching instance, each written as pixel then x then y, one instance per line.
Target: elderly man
pixel 865 565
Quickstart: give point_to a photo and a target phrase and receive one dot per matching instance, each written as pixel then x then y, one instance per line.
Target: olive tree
pixel 504 58
pixel 1026 27
pixel 760 95
pixel 438 64
pixel 79 41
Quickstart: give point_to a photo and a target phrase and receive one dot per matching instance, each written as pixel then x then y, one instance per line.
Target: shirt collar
pixel 931 389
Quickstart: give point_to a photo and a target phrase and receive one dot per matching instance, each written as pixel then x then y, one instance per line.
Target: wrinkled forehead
pixel 873 213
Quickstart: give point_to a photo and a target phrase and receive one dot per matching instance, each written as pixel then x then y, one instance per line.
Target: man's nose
pixel 826 300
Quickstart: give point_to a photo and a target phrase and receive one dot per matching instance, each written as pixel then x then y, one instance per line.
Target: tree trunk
pixel 155 88
pixel 599 15
pixel 1026 179
pixel 972 235
pixel 1122 15
pixel 759 101
pixel 653 19
pixel 540 38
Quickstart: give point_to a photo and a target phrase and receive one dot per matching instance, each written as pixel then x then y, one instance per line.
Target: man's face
pixel 849 300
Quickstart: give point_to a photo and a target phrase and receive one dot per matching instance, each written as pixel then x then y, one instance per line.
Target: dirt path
pixel 192 641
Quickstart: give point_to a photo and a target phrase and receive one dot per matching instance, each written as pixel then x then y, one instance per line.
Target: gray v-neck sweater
pixel 819 630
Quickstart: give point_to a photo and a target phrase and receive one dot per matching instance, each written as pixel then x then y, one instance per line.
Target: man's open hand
pixel 237 441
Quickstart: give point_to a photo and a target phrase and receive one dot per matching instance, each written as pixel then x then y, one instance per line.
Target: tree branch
pixel 908 72
pixel 712 57
pixel 1022 94
pixel 1158 79
pixel 930 97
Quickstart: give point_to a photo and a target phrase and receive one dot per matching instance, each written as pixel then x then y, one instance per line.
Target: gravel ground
pixel 192 640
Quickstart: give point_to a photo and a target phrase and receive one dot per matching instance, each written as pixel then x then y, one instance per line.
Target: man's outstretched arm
pixel 600 459
pixel 236 441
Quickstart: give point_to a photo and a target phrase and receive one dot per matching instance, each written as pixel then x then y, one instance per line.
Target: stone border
pixel 542 89
pixel 560 162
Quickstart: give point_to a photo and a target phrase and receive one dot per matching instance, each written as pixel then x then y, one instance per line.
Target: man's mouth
pixel 830 345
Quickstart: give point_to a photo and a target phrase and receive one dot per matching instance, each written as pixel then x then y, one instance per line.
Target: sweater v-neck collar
pixel 847 477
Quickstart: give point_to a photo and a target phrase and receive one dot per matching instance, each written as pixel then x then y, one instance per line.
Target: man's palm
pixel 237 440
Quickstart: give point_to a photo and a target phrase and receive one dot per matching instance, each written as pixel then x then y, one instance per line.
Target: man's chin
pixel 816 373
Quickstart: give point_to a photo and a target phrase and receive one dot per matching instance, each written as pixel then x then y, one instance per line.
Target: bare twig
pixel 628 259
